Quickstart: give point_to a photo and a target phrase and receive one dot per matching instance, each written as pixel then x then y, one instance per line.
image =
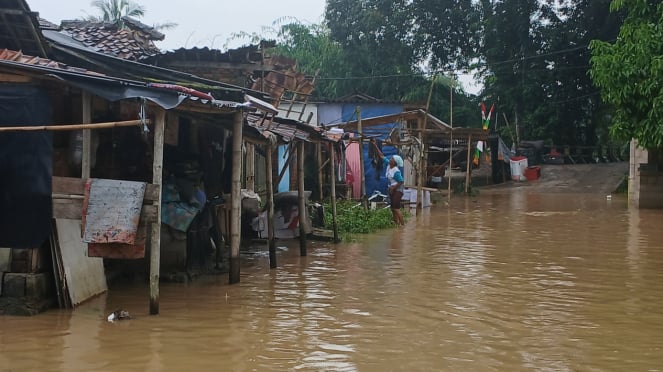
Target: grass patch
pixel 353 219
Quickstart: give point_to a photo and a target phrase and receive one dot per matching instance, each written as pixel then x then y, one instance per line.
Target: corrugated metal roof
pixel 112 88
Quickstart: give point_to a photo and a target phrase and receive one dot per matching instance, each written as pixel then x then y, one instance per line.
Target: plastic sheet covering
pixel 25 168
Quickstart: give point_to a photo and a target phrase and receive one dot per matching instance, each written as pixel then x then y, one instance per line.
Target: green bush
pixel 352 219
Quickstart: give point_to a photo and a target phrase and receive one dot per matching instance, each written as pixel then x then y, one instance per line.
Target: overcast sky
pixel 200 23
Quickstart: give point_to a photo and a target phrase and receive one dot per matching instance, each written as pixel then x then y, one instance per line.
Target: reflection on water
pixel 504 282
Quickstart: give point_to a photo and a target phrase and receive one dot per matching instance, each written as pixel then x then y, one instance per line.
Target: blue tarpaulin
pixel 375 176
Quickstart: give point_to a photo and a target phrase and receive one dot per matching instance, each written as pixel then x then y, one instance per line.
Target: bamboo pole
pixel 302 199
pixel 469 164
pixel 112 124
pixel 236 197
pixel 318 148
pixel 269 160
pixel 333 193
pixel 155 229
pixel 362 188
pixel 86 116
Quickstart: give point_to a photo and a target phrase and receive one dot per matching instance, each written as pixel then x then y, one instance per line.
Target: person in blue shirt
pixel 394 181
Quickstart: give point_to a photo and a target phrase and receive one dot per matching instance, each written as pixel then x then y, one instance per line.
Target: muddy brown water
pixel 505 282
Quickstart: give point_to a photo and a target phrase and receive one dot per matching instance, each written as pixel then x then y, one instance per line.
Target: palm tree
pixel 112 11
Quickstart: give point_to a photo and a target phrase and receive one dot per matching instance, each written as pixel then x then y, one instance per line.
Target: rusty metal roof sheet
pixel 288 129
pixel 18 56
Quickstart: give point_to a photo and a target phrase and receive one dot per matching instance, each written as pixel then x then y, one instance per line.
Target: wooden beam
pixel 155 238
pixel 236 197
pixel 76 186
pixel 72 209
pixel 13 78
pixel 286 164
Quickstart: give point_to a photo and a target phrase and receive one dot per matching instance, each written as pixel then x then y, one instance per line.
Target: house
pixel 103 117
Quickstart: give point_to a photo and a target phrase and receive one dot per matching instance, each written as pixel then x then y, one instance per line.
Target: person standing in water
pixel 394 181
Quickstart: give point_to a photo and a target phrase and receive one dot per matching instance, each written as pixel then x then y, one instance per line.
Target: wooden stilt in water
pixel 155 229
pixel 364 199
pixel 469 164
pixel 302 198
pixel 270 204
pixel 332 173
pixel 318 147
pixel 236 198
pixel 420 168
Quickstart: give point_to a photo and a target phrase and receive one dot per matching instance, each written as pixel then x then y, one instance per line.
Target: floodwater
pixel 503 282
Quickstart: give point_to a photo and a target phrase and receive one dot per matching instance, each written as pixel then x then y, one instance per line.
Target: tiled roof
pixel 17 56
pixel 133 43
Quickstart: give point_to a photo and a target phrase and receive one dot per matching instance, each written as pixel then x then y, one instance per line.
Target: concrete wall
pixel 645 186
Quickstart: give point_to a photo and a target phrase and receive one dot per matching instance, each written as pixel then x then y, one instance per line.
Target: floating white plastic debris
pixel 118 315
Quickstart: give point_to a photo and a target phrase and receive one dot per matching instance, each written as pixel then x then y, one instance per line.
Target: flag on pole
pixel 485 119
pixel 477 152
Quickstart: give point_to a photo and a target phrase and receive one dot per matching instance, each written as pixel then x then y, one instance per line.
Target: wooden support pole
pixel 86 116
pixel 451 134
pixel 236 197
pixel 250 183
pixel 362 189
pixel 318 148
pixel 420 169
pixel 332 173
pixel 424 159
pixel 469 164
pixel 270 204
pixel 302 199
pixel 155 229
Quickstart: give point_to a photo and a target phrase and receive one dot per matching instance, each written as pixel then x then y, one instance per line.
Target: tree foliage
pixel 630 72
pixel 112 11
pixel 531 55
pixel 537 62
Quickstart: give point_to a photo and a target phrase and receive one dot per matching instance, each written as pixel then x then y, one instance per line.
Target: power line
pixel 478 65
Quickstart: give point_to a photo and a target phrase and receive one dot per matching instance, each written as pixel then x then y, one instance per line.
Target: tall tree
pixel 630 72
pixel 537 62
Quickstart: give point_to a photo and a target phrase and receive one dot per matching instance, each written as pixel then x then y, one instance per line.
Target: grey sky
pixel 201 23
